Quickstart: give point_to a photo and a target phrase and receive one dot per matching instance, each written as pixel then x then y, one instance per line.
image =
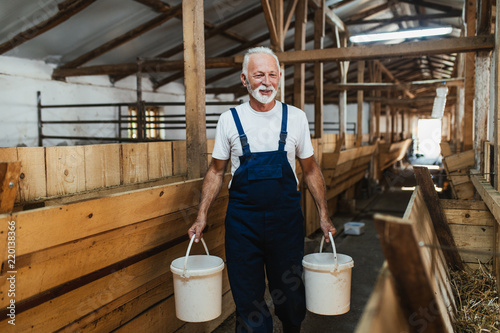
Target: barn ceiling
pixel 79 34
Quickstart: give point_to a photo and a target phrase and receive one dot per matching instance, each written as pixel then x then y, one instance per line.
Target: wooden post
pixel 359 121
pixel 378 106
pixel 9 179
pixel 194 78
pixel 388 133
pixel 470 60
pixel 496 93
pixel 482 103
pixel 438 218
pixel 343 69
pixel 300 44
pixel 319 35
pixel 403 127
pixel 277 10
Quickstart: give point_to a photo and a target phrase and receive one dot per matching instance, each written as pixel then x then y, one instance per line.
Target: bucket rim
pixel 344 262
pixel 197 271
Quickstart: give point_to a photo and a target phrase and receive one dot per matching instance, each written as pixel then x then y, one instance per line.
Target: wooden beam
pixel 470 68
pixel 319 36
pixel 485 17
pixel 300 44
pixel 462 44
pixel 410 49
pixel 129 35
pixel 393 86
pixel 496 105
pixel 9 182
pixel 151 66
pixel 194 82
pixel 431 5
pixel 359 127
pixel 405 18
pixel 156 5
pixel 292 5
pixel 438 217
pixel 211 32
pixel 46 25
pixel 270 22
pixel 277 11
pixel 482 106
pixel 330 17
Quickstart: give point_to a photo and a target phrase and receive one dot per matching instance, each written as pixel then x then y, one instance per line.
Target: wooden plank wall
pixel 49 172
pixel 473 228
pixel 103 264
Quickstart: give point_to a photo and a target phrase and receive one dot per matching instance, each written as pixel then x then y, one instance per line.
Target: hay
pixel 476 297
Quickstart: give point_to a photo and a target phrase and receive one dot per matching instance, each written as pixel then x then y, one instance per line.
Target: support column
pixel 359 121
pixel 300 44
pixel 279 44
pixel 343 68
pixel 496 92
pixel 470 60
pixel 319 35
pixel 482 96
pixel 194 81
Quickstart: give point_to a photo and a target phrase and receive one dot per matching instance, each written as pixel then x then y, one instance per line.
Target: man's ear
pixel 243 79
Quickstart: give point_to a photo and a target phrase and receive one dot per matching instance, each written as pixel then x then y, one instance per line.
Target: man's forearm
pixel 210 189
pixel 316 185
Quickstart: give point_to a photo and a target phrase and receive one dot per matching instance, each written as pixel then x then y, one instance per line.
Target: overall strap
pixel 283 134
pixel 243 137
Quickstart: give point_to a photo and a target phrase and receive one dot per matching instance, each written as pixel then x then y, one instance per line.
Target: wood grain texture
pixel 438 218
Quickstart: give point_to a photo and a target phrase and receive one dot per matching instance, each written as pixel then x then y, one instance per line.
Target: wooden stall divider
pixel 408 265
pixel 9 182
pixel 106 261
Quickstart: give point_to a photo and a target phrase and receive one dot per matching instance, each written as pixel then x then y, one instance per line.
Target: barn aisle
pixel 364 249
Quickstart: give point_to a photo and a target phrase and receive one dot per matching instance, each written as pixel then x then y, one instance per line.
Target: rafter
pixel 411 49
pixel 367 13
pixel 214 31
pixel 424 17
pixel 270 22
pixel 231 52
pixel 156 5
pixel 431 5
pixel 64 14
pixel 152 66
pixel 129 35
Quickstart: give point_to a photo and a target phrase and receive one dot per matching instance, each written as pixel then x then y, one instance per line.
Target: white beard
pixel 258 96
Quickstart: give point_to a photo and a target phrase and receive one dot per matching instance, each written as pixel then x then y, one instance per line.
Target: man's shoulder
pixel 295 111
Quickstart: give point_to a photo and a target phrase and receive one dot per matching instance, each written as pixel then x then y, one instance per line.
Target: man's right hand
pixel 196 229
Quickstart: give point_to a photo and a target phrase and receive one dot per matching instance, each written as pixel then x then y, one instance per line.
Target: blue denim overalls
pixel 264 228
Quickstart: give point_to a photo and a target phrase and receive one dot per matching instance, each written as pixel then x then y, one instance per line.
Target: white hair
pixel 256 50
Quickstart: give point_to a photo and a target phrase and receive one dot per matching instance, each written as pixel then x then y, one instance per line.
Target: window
pixel 151 116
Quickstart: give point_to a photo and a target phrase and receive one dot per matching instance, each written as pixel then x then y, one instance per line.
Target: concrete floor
pixel 365 251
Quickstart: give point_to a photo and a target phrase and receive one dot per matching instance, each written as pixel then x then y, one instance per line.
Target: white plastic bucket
pixel 327 278
pixel 197 286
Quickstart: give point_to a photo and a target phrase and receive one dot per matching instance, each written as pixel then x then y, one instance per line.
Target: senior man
pixel 264 220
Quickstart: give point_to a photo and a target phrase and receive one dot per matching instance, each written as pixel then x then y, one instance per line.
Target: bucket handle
pixel 335 266
pixel 184 273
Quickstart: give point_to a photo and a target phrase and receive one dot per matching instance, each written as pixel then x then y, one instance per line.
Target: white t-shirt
pixel 263 132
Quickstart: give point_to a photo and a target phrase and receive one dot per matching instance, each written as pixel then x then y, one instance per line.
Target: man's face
pixel 263 77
